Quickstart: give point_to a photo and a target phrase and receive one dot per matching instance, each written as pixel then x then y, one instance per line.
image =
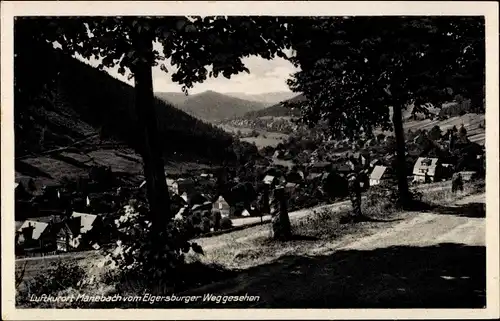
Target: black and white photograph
pixel 169 160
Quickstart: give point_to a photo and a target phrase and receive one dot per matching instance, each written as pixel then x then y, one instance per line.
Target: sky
pixel 265 76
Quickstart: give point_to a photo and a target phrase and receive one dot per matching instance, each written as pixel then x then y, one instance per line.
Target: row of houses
pixel 425 170
pixel 79 231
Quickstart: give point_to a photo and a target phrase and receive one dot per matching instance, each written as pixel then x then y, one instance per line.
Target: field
pixel 125 162
pixel 471 122
pixel 264 139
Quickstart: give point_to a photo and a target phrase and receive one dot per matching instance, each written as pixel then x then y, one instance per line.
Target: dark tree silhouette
pixel 435 133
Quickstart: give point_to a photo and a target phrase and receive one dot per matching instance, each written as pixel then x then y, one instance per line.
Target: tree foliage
pixel 354 69
pixel 191 44
pixel 435 133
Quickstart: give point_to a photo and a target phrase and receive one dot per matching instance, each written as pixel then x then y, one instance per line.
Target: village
pixel 79 215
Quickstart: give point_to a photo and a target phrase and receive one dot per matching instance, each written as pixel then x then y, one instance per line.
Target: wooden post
pixel 280 220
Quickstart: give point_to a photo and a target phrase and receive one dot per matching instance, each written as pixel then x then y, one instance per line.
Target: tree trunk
pixel 397 121
pixel 151 150
pixel 280 221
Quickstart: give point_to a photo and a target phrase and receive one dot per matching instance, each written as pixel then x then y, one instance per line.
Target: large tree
pixel 198 48
pixel 359 73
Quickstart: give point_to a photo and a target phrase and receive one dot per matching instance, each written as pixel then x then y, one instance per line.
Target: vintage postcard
pixel 249 160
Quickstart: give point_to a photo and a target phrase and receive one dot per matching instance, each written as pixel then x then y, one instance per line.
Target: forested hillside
pixel 277 110
pixel 88 102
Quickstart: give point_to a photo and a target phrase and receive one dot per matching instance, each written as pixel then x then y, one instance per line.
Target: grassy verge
pixel 446 196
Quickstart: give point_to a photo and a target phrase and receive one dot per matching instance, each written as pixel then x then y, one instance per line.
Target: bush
pixel 384 200
pixel 226 223
pixel 60 277
pixel 150 254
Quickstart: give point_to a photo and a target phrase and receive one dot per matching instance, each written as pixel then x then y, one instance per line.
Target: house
pixel 377 175
pixel 314 176
pixel 375 162
pixel 35 235
pixel 426 170
pixel 222 206
pixel 362 158
pixel 24 187
pixel 178 200
pixel 183 185
pixel 468 175
pixel 342 169
pixel 290 187
pixel 80 231
pixel 269 180
pixel 170 183
pixel 320 167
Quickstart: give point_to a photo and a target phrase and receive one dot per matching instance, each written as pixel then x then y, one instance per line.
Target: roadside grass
pixel 446 196
pixel 315 234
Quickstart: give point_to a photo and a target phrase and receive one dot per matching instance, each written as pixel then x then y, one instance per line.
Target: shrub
pixel 226 223
pixel 384 200
pixel 59 277
pixel 152 255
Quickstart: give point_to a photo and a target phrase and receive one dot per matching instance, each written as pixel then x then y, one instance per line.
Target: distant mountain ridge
pixel 211 105
pixel 269 98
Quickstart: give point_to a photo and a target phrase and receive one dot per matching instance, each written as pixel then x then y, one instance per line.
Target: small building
pixel 426 169
pixel 342 169
pixel 24 187
pixel 269 180
pixel 290 187
pixel 362 158
pixel 34 235
pixel 222 206
pixel 314 176
pixel 377 175
pixel 80 231
pixel 468 175
pixel 375 162
pixel 183 185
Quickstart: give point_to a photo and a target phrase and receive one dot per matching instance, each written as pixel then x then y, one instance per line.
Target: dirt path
pixel 427 260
